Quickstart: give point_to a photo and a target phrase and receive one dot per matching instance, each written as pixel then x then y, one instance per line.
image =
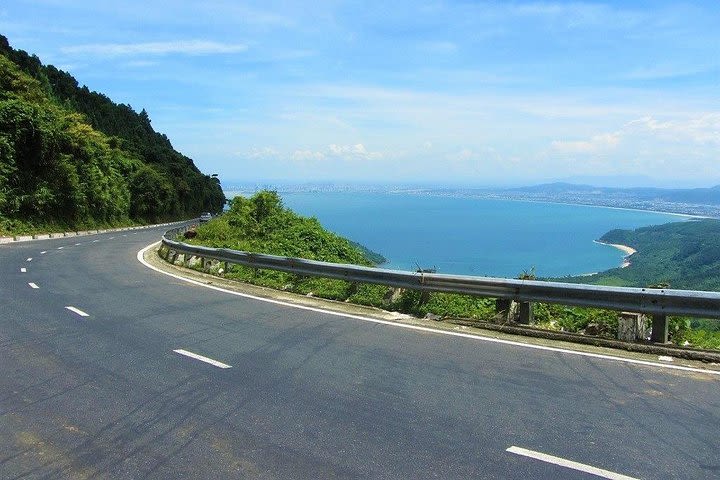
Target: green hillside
pixel 72 158
pixel 683 255
pixel 262 224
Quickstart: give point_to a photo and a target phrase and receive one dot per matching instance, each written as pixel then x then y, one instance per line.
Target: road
pixel 99 390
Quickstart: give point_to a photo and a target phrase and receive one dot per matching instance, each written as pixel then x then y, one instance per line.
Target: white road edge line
pixel 78 311
pixel 202 358
pixel 23 270
pixel 425 329
pixel 544 457
pixel 33 285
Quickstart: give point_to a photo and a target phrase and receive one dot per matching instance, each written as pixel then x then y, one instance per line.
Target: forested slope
pixel 70 157
pixel 684 255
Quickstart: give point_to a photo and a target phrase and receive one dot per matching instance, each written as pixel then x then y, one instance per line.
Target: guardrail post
pixel 502 307
pixel 525 313
pixel 207 264
pixel 659 329
pixel 632 327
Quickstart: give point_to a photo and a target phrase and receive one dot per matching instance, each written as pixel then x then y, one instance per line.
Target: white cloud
pixel 596 144
pixel 338 152
pixel 357 151
pixel 261 153
pixel 332 152
pixel 307 155
pixel 700 129
pixel 465 154
pixel 183 47
pixel 703 129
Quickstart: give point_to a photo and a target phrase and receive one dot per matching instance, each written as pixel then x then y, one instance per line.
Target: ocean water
pixel 461 235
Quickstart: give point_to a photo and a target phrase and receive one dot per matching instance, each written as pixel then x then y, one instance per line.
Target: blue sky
pixel 439 92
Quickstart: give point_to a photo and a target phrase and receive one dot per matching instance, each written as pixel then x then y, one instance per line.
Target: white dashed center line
pixel 60 248
pixel 29 259
pixel 78 311
pixel 111 238
pixel 23 270
pixel 43 252
pixel 33 285
pixel 202 359
pixel 78 244
pixel 581 467
pixel 95 241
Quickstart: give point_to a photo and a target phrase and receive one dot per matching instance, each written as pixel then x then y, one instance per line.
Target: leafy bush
pixel 576 319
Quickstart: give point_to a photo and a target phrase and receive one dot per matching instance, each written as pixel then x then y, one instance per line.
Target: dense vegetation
pixel 262 224
pixel 683 255
pixel 70 157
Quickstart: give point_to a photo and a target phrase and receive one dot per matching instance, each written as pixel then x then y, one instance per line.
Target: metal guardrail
pixel 657 302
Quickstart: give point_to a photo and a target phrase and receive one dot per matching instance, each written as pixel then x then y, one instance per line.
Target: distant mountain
pixel 620 181
pixel 709 196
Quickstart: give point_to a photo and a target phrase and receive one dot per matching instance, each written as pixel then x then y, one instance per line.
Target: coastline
pixel 623 248
pixel 687 216
pixel 422 192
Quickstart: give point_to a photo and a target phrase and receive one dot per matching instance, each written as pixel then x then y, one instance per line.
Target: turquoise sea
pixel 499 238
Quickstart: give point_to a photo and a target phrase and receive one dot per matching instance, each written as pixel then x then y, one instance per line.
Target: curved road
pixel 308 394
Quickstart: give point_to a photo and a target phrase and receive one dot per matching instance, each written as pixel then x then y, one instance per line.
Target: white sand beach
pixel 624 248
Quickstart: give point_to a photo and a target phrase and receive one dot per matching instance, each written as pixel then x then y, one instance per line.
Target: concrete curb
pixel 649 348
pixel 47 236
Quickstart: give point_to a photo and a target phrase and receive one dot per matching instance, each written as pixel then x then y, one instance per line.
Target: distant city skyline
pixel 481 93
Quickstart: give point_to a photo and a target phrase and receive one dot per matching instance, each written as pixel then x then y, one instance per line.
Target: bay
pixel 471 236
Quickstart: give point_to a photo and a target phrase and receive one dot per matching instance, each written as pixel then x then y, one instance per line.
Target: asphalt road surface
pixel 111 370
